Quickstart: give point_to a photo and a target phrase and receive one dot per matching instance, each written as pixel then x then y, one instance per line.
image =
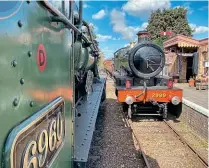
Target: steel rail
pixel 129 123
pixel 201 158
pixel 181 138
pixel 109 74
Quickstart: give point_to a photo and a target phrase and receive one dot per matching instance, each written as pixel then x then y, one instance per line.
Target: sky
pixel 117 22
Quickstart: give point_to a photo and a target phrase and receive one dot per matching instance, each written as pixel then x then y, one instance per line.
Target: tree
pixel 101 60
pixel 173 20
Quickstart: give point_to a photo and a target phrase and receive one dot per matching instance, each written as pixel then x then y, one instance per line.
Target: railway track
pixel 137 142
pixel 184 155
pixel 201 158
pixel 158 143
pixel 112 145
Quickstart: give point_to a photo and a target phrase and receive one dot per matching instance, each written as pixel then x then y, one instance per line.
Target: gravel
pixel 199 144
pixel 163 148
pixel 112 145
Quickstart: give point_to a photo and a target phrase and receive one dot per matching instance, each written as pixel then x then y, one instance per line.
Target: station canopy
pixel 182 42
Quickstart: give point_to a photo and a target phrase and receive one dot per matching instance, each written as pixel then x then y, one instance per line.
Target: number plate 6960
pixel 39 138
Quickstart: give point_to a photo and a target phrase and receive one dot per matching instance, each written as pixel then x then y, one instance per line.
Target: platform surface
pixel 199 97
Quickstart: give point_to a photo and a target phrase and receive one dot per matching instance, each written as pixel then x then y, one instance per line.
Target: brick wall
pixel 197 121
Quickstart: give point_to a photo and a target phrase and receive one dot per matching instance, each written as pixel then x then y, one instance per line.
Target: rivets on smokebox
pixel 14 63
pixel 22 81
pixel 31 103
pixel 30 53
pixel 20 23
pixel 15 102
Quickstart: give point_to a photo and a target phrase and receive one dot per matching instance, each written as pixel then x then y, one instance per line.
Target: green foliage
pixel 101 60
pixel 94 36
pixel 174 20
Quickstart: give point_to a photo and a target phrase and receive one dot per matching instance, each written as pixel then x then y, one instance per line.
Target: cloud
pixel 94 27
pixel 177 7
pixel 143 8
pixel 203 8
pixel 189 9
pixel 108 52
pixel 86 5
pixel 103 37
pixel 186 6
pixel 198 29
pixel 119 25
pixel 144 25
pixel 99 15
pixel 126 44
pixel 114 38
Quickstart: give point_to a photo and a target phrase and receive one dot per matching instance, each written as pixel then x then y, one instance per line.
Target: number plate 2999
pixel 39 138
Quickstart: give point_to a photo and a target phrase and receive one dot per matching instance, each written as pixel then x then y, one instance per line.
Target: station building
pixel 108 64
pixel 180 52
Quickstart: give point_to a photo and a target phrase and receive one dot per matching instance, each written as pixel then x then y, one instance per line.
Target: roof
pixel 184 41
pixel 108 64
pixel 204 41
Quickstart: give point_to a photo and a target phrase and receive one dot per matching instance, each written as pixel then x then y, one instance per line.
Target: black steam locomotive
pixel 139 85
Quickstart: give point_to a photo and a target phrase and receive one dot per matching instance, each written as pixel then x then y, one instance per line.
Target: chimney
pixel 143 35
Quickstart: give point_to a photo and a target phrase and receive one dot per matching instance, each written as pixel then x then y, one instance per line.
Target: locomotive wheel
pixel 131 60
pixel 175 110
pixel 116 92
pixel 125 107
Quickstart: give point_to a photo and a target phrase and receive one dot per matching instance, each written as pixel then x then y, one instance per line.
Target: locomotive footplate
pixel 85 119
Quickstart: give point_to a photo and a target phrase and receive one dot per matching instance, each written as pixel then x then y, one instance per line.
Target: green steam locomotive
pixel 50 89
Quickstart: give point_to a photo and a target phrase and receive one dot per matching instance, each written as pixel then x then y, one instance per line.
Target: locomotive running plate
pixel 37 141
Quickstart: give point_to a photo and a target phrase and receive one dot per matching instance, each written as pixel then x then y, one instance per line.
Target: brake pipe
pixel 145 88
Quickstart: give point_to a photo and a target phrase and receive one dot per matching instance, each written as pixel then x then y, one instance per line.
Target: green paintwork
pixel 15 43
pixel 82 57
pixel 85 58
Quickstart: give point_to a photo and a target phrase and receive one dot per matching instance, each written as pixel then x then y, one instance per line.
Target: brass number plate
pixel 37 146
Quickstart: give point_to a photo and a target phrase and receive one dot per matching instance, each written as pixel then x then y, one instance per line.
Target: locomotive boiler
pixel 140 85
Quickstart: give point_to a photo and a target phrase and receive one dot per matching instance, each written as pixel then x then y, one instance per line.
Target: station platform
pixel 198 97
pixel 195 109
